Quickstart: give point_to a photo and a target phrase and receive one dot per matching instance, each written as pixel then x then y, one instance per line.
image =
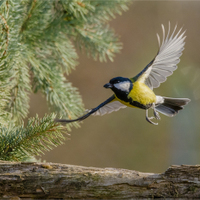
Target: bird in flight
pixel 137 92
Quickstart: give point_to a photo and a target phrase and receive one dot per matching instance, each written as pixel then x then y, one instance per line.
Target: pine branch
pixel 14 71
pixel 21 87
pixel 89 21
pixel 107 10
pixel 41 34
pixel 63 98
pixel 98 41
pixel 36 51
pixel 94 11
pixel 19 143
pixel 5 74
pixel 66 59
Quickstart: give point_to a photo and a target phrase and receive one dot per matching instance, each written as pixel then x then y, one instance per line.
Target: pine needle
pixel 38 41
pixel 39 135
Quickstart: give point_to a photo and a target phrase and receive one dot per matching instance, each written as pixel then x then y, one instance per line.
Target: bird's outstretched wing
pixel 108 106
pixel 166 60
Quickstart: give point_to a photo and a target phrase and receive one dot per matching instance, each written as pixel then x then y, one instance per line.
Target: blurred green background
pixel 124 139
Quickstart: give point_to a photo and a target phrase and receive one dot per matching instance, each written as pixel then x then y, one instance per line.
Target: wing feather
pixel 163 65
pixel 110 107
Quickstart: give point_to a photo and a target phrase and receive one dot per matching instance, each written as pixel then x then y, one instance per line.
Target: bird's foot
pixel 156 114
pixel 149 118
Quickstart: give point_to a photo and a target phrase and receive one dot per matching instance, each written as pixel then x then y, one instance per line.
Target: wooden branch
pixel 50 180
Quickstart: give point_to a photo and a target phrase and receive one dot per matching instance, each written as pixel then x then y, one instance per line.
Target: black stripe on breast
pixel 139 105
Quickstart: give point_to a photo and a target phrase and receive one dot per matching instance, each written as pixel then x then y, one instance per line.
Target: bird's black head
pixel 120 85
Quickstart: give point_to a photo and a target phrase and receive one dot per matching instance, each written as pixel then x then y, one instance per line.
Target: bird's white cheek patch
pixel 123 86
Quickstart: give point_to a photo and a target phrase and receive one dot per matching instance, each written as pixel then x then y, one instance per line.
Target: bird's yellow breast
pixel 140 93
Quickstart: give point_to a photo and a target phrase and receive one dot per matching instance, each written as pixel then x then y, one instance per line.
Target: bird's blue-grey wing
pixel 110 107
pixel 165 62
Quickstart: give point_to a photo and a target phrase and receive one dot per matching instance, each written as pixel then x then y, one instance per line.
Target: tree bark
pixel 56 181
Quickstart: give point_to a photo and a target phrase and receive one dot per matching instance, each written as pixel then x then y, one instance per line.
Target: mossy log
pixel 57 181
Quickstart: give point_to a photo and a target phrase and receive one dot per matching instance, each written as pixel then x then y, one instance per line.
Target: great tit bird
pixel 137 92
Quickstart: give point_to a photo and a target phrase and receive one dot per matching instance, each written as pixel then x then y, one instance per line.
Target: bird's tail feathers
pixel 171 106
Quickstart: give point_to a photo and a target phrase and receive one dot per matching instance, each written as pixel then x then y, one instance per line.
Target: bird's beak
pixel 107 85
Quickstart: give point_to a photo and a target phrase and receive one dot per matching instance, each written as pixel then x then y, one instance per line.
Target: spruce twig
pixel 20 143
pixel 36 52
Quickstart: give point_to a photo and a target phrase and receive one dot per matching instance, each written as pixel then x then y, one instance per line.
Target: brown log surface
pixel 57 181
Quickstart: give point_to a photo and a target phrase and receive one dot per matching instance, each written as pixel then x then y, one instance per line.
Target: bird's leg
pixel 156 114
pixel 149 118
